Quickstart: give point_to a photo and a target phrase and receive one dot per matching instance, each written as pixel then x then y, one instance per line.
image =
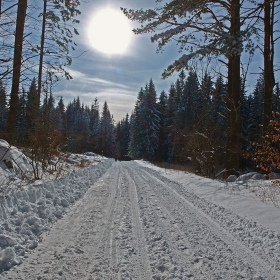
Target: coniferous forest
pixel 211 122
pixel 185 125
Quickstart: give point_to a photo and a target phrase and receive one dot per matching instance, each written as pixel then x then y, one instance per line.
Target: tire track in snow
pixel 255 264
pixel 135 224
pixel 106 256
pixel 137 231
pixel 167 248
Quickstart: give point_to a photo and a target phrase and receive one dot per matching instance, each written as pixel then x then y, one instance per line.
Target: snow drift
pixel 28 211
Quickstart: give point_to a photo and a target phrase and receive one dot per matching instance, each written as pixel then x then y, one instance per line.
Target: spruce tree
pixel 94 124
pixel 172 119
pixel 150 122
pixel 31 106
pixel 106 139
pixel 257 112
pixel 21 124
pixel 3 109
pixel 136 133
pixel 162 151
pixel 61 117
pixel 124 140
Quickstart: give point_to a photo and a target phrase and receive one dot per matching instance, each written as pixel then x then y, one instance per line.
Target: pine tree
pixel 21 124
pixel 122 137
pixel 145 124
pixel 162 151
pixel 194 95
pixel 257 112
pixel 106 141
pixel 227 27
pixel 72 115
pixel 94 124
pixel 173 119
pixel 136 133
pixel 150 122
pixel 133 148
pixel 31 106
pixel 206 92
pixel 218 105
pixel 3 109
pixel 61 116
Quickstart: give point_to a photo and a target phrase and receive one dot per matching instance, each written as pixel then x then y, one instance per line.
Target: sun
pixel 110 31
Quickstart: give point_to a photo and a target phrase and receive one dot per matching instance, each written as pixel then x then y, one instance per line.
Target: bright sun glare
pixel 109 31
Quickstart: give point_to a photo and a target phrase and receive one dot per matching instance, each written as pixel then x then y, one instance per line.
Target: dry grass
pixel 270 193
pixel 84 163
pixel 266 191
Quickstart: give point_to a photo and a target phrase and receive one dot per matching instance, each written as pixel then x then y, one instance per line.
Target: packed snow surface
pixel 131 220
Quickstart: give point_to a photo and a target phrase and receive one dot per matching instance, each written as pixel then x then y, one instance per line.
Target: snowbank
pixel 12 162
pixel 27 212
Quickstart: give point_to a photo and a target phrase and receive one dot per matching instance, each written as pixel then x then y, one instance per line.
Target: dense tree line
pixel 75 127
pixel 203 121
pixel 36 39
pixel 220 31
pixel 188 125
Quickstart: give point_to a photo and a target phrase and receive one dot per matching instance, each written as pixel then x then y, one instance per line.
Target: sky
pixel 117 78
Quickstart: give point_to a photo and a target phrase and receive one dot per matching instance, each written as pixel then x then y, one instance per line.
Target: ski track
pixel 134 223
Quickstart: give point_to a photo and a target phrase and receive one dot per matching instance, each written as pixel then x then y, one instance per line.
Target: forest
pixel 212 123
pixel 185 125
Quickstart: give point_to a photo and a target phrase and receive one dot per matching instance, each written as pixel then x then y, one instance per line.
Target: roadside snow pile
pixel 28 211
pixel 267 191
pixel 15 166
pixel 12 163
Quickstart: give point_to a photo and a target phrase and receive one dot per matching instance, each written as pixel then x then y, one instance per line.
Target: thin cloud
pixel 79 77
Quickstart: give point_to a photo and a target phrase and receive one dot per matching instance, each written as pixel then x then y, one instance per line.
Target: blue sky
pixel 117 79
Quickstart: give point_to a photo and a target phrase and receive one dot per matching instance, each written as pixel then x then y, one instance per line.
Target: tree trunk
pixel 234 94
pixel 268 54
pixel 41 58
pixel 21 14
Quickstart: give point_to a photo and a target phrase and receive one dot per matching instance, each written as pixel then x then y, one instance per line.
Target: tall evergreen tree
pixel 31 106
pixel 21 124
pixel 94 124
pixel 162 151
pixel 106 141
pixel 173 121
pixel 3 109
pixel 206 92
pixel 145 123
pixel 224 33
pixel 218 105
pixel 150 121
pixel 136 133
pixel 195 99
pixel 61 116
pixel 122 137
pixel 256 119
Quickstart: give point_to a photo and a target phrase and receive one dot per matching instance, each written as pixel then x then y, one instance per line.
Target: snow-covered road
pixel 133 223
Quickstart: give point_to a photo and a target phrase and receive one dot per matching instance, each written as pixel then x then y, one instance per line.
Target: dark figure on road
pixel 116 157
